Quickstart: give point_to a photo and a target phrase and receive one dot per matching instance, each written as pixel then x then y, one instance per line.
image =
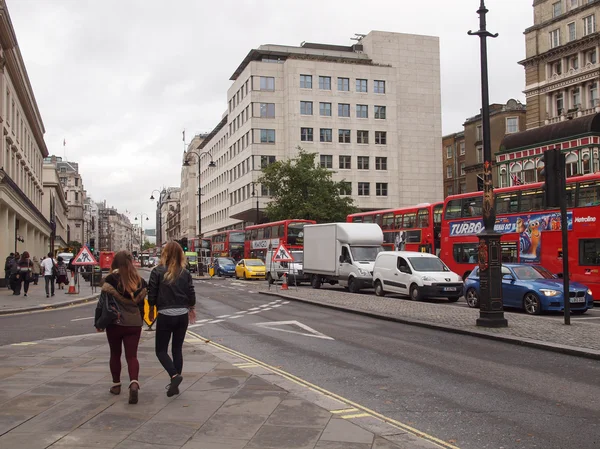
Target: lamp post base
pixel 491 309
pixel 491 319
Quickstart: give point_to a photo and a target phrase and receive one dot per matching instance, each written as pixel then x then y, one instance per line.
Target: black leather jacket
pixel 171 295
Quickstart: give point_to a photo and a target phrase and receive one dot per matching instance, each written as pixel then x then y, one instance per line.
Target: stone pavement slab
pixel 536 331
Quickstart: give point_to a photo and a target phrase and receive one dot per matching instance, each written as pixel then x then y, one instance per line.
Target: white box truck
pixel 342 253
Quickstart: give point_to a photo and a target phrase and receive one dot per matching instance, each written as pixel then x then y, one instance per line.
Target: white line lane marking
pixel 195 325
pixel 236 316
pixel 250 291
pixel 224 316
pixel 264 305
pixel 252 313
pixel 255 308
pixel 586 318
pixel 215 321
pixel 277 305
pixel 202 321
pixel 241 313
pixel 268 308
pixel 81 319
pixel 285 302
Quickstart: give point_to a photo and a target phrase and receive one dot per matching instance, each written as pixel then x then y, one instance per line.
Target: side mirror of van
pixel 341 259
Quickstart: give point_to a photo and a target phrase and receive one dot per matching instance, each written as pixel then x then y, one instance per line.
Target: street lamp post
pixel 161 194
pixel 141 230
pixel 211 164
pixel 491 312
pixel 255 191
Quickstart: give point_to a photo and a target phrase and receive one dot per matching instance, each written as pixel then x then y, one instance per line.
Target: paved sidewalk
pixel 36 298
pixel 576 339
pixel 54 394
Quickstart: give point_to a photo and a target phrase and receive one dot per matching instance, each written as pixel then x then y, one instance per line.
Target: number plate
pixel 449 289
pixel 572 300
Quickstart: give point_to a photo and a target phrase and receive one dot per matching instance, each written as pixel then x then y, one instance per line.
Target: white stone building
pixel 189 188
pixel 372 111
pixel 90 222
pixel 55 207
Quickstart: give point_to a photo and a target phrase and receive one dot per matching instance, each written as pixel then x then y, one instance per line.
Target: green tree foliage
pixel 147 245
pixel 302 189
pixel 74 246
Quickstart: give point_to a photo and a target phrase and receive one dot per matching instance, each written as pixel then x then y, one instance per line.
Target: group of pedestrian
pixel 21 270
pixel 120 312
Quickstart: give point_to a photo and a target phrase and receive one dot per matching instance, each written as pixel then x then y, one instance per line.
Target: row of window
pixel 325 110
pixel 450 150
pixel 364 188
pixel 345 162
pixel 344 136
pixel 563 102
pixel 343 84
pixel 450 170
pixel 588 25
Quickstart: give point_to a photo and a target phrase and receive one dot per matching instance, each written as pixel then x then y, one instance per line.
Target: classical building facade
pixel 168 201
pixel 189 188
pixel 453 162
pixel 55 207
pixel 371 111
pixel 90 222
pixel 562 70
pixel 115 231
pixel 22 152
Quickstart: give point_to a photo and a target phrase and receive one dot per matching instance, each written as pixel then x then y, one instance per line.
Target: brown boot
pixel 116 388
pixel 134 388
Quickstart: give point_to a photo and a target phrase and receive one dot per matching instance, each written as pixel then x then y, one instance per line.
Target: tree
pixel 74 246
pixel 301 189
pixel 147 245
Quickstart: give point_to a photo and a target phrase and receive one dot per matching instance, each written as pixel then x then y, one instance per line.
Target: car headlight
pixel 548 292
pixel 428 279
pixel 590 292
pixel 363 272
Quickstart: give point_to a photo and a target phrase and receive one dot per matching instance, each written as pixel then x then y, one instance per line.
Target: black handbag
pixel 110 313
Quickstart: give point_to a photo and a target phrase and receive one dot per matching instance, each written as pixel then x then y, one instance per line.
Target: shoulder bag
pixel 110 312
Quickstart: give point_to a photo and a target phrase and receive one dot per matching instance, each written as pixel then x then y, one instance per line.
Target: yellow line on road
pixel 316 388
pixel 356 415
pixel 344 410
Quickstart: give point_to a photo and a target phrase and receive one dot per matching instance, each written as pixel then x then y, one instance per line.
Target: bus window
pixel 378 219
pixel 268 233
pixel 254 234
pixel 387 221
pixel 357 219
pixel 589 252
pixel 571 189
pixel 472 207
pixel 261 233
pixel 398 221
pixel 281 231
pixel 410 220
pixel 531 200
pixel 275 232
pixel 423 218
pixel 453 209
pixel 507 203
pixel 510 254
pixel 589 194
pixel 465 252
pixel 248 235
pixel 368 219
pixel 437 214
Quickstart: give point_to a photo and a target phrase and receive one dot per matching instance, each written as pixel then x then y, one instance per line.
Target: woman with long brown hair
pixel 171 289
pixel 124 290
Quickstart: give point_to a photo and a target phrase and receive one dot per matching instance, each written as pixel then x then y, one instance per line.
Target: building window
pixel 380 137
pixel 362 111
pixel 574 62
pixel 462 169
pixel 379 87
pixel 345 188
pixel 479 151
pixel 362 136
pixel 573 3
pixel 555 38
pixel 343 135
pixel 449 191
pixel 362 162
pixel 479 133
pixel 325 82
pixel 449 171
pixel 76 196
pixel 267 83
pixel 572 31
pixel 571 165
pixel 593 95
pixel 361 85
pixel 462 148
pixel 343 110
pixel 380 112
pixel 306 107
pixel 449 152
pixel 306 134
pixel 267 110
pixel 381 188
pixel 326 161
pixel 585 165
pixel 503 177
pixel 576 97
pixel 344 84
pixel 556 68
pixel 306 81
pixel 591 56
pixel 325 109
pixel 346 162
pixel 556 9
pixel 325 135
pixel 589 25
pixel 363 188
pixel 559 102
pixel 512 125
pixel 380 163
pixel 265 161
pixel 267 136
pixel 528 172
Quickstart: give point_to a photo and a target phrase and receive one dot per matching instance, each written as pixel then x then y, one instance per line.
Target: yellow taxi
pixel 250 269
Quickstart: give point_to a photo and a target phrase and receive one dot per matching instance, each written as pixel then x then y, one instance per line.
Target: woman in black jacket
pixel 125 288
pixel 171 289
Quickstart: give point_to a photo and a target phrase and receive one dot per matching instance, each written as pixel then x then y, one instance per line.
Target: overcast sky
pixel 121 79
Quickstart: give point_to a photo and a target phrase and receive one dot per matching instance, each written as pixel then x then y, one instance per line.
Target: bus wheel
pixel 315 281
pixel 472 298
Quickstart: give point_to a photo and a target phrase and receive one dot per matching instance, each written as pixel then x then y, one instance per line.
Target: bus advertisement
pixel 228 244
pixel 263 237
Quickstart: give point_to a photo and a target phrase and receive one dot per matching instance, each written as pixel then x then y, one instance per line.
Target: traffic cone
pixel 284 285
pixel 72 290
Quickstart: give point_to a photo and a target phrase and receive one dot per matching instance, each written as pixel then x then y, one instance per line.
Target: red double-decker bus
pixel 530 231
pixel 262 237
pixel 228 244
pixel 415 228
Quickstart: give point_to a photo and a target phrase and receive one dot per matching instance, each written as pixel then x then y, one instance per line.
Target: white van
pixel 275 270
pixel 417 275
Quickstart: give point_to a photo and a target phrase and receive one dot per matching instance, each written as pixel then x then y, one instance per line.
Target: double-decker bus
pixel 531 233
pixel 415 228
pixel 262 237
pixel 228 244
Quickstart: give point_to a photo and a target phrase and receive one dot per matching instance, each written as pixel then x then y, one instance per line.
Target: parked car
pixel 224 266
pixel 534 289
pixel 250 269
pixel 418 275
pixel 152 261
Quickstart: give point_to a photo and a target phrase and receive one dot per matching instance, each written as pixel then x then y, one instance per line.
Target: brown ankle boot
pixel 134 388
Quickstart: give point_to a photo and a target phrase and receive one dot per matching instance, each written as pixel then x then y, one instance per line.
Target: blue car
pixel 225 266
pixel 532 288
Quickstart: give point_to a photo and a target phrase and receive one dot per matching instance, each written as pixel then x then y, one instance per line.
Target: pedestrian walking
pixel 7 265
pixel 24 274
pixel 14 273
pixel 171 290
pixel 36 270
pixel 123 290
pixel 48 266
pixel 61 269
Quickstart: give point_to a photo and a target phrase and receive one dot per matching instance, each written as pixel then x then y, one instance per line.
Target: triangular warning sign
pixel 84 257
pixel 282 254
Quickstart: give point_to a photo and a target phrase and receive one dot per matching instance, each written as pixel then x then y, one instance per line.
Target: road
pixel 476 393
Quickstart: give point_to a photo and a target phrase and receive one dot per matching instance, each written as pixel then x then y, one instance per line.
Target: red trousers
pixel 128 337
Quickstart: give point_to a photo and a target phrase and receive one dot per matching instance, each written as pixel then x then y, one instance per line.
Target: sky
pixel 119 80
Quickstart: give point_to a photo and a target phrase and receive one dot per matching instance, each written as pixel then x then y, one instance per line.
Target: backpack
pixel 62 269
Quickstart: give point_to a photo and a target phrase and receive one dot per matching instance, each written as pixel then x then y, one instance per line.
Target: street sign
pixel 282 254
pixel 84 257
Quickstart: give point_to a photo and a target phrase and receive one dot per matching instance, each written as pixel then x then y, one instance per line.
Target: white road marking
pixel 268 308
pixel 241 312
pixel 251 291
pixel 252 313
pixel 195 325
pixel 309 331
pixel 255 308
pixel 286 302
pixel 203 321
pixel 586 318
pixel 224 316
pixel 277 305
pixel 86 318
pixel 236 316
pixel 264 305
pixel 215 321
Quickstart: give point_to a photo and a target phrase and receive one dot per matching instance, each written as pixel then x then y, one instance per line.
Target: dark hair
pixel 25 255
pixel 50 254
pixel 60 259
pixel 129 279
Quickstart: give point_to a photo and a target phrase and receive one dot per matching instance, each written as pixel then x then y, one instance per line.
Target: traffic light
pixel 554 173
pixel 184 243
pixel 92 244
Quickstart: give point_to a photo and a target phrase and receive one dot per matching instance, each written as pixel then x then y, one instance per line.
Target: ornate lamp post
pixel 211 164
pixel 255 193
pixel 141 230
pixel 491 312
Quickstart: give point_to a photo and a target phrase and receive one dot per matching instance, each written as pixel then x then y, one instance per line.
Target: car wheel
pixel 315 281
pixel 472 298
pixel 379 289
pixel 353 285
pixel 415 295
pixel 532 304
pixel 578 312
pixel 270 279
pixel 453 298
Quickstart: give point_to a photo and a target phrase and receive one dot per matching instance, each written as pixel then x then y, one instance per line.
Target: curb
pixel 552 347
pixel 58 305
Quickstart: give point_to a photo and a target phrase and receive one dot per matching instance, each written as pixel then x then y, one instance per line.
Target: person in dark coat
pixel 7 265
